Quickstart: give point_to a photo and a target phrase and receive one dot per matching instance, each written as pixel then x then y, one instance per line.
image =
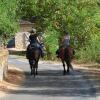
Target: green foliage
pixel 25 9
pixel 8 16
pixel 90 52
pixel 51 40
pixel 8 19
pixel 81 18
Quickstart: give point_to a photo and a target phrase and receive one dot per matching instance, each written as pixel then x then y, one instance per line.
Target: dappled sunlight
pixel 50 81
pixel 53 83
pixel 15 76
pixel 12 81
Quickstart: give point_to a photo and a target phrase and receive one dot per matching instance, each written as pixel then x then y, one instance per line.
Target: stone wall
pixel 21 40
pixel 3 63
pixel 25 27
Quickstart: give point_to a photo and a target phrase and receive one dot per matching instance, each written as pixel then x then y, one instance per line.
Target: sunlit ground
pixel 12 82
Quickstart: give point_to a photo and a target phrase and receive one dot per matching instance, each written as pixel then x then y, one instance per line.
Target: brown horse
pixel 33 54
pixel 66 55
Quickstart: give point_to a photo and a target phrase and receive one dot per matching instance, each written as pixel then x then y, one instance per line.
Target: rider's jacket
pixel 33 39
pixel 66 41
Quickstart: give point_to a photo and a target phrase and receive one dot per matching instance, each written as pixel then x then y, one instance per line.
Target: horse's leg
pixel 68 62
pixel 37 59
pixel 34 72
pixel 31 66
pixel 70 66
pixel 64 72
pixel 36 68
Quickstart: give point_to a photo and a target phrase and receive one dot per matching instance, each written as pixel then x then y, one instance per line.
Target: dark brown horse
pixel 33 54
pixel 66 55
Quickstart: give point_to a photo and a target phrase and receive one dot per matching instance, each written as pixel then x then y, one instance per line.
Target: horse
pixel 33 54
pixel 66 55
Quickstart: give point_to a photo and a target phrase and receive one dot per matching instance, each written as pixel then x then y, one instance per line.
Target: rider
pixel 63 42
pixel 34 40
pixel 66 40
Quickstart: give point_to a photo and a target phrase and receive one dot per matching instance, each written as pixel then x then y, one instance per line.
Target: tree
pixel 79 17
pixel 25 9
pixel 8 17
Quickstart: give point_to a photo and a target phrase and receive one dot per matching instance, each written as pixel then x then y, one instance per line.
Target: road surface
pixel 50 84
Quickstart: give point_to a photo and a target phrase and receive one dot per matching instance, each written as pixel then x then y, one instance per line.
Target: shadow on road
pixel 53 83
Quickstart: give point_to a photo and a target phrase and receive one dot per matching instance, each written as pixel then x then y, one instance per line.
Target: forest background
pixel 81 18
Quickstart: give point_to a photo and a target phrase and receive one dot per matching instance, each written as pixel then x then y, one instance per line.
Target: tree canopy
pixel 81 18
pixel 8 17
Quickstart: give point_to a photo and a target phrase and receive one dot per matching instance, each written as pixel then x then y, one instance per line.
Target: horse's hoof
pixel 67 70
pixel 34 76
pixel 68 73
pixel 64 73
pixel 31 73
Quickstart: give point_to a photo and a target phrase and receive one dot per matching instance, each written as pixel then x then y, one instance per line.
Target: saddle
pixel 34 45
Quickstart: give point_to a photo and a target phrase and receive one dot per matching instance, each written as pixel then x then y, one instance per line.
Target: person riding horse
pixel 64 42
pixel 65 52
pixel 34 41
